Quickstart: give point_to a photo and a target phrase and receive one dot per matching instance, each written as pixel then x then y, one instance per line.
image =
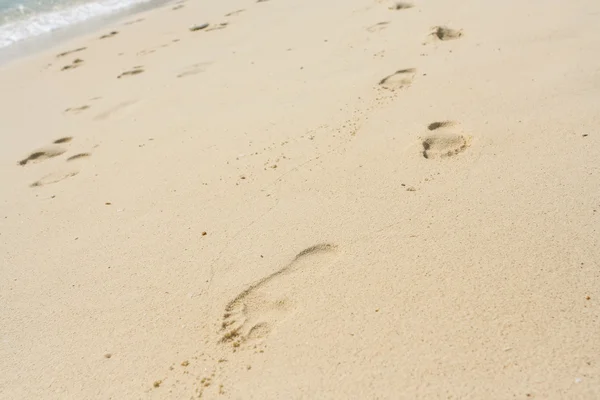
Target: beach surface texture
pixel 309 199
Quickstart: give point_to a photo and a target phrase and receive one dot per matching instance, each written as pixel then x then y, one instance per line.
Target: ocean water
pixel 21 20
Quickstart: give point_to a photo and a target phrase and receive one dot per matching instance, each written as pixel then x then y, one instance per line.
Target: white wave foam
pixel 38 24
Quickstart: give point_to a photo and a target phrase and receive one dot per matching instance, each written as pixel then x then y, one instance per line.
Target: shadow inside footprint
pixel 65 139
pixel 134 71
pixel 198 27
pixel 401 6
pixel 440 124
pixel 254 312
pixel 75 64
pixel 443 33
pixel 216 27
pixel 66 53
pixel 233 13
pixel 378 26
pixel 43 154
pixel 77 110
pixel 108 35
pixel 78 156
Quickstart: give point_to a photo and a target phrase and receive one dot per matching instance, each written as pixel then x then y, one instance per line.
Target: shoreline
pixel 50 41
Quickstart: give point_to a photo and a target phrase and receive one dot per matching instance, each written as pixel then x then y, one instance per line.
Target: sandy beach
pixel 284 199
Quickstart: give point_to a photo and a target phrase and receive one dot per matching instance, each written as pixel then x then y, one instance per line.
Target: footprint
pixel 398 80
pixel 222 25
pixel 66 53
pixel 401 6
pixel 146 52
pixel 437 125
pixel 108 35
pixel 43 154
pixel 65 139
pixel 135 71
pixel 253 313
pixel 448 141
pixel 378 26
pixel 78 156
pixel 114 109
pixel 75 64
pixel 137 21
pixel 199 27
pixel 77 110
pixel 443 33
pixel 237 12
pixel 194 69
pixel 54 177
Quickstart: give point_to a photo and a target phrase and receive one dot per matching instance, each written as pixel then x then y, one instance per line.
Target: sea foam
pixel 25 23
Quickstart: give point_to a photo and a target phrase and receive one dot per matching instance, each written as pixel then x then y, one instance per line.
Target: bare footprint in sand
pixel 217 27
pixel 233 13
pixel 253 313
pixel 77 110
pixel 137 21
pixel 135 71
pixel 194 69
pixel 434 126
pixel 401 6
pixel 200 27
pixel 442 33
pixel 115 110
pixel 66 53
pixel 75 64
pixel 78 156
pixel 447 141
pixel 65 139
pixel 43 154
pixel 109 35
pixel 398 80
pixel 55 177
pixel 378 26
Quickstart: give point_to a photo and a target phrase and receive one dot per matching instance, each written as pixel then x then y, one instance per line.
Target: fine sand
pixel 305 199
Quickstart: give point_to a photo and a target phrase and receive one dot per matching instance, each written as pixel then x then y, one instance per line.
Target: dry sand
pixel 317 200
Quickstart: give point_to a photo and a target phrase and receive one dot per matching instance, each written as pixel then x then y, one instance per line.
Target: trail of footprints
pixel 254 314
pixel 446 138
pixel 54 150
